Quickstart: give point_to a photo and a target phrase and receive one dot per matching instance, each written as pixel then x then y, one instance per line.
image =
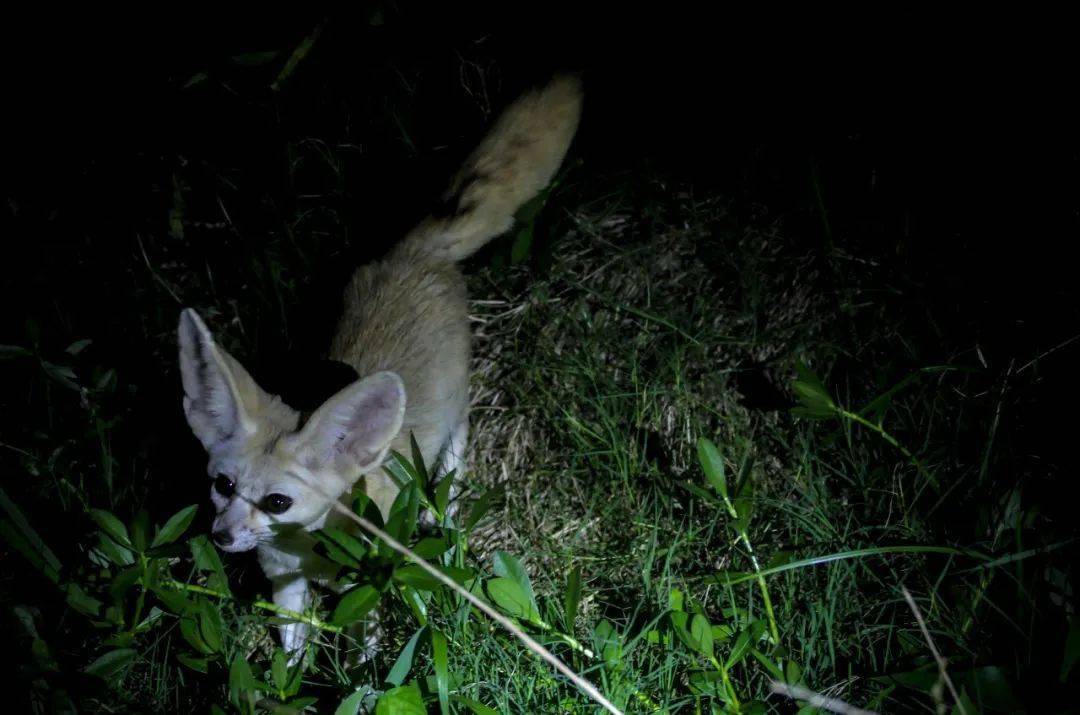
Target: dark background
pixel 955 137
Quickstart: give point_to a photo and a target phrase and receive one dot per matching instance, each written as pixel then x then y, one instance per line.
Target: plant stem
pixel 727 681
pixel 891 440
pixel 774 630
pixel 264 605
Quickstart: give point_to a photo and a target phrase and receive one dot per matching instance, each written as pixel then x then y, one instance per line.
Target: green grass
pixel 595 381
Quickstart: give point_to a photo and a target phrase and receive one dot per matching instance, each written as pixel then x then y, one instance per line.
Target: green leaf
pixel 442 491
pixel 41 557
pixel 26 540
pixel 690 631
pixel 298 54
pixel 363 506
pixel 403 514
pixel 241 681
pixel 416 603
pixel 921 678
pixel 402 700
pixel 78 346
pixel 111 526
pixel 210 624
pixel 400 471
pixel 414 575
pixel 769 664
pixel 174 601
pixel 119 555
pixel 1072 650
pixel 481 506
pixel 124 581
pixel 419 468
pixel 793 673
pixel 523 241
pixel 140 530
pixel 713 466
pixel 992 688
pixel 965 705
pixel 701 632
pixel 295 680
pixel 474 705
pixel 78 599
pixel 572 598
pixel 189 629
pixel 351 704
pixel 61 374
pixel 608 644
pixel 354 605
pixel 404 661
pixel 106 381
pixel 816 403
pixel 744 508
pixel 175 526
pixel 199 665
pixel 744 641
pixel 432 546
pixel 110 664
pixel 205 555
pixel 207 560
pixel 342 547
pixel 707 682
pixel 279 671
pixel 700 493
pixel 510 567
pixel 442 679
pixel 680 624
pixel 7 352
pixel 507 595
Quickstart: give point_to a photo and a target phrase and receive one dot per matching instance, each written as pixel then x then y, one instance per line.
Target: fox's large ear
pixel 352 431
pixel 221 399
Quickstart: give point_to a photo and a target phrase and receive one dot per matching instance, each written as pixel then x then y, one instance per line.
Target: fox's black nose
pixel 222 538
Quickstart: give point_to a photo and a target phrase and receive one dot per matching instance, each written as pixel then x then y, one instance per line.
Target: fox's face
pixel 269 474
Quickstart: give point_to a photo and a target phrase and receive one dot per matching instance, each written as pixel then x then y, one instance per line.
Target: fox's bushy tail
pixel 514 162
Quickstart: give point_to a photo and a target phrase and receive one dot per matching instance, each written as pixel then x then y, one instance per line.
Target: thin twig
pixel 817 700
pixel 1059 346
pixel 158 278
pixel 941 663
pixel 264 605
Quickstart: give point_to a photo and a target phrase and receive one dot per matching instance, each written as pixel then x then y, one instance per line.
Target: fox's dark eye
pixel 276 503
pixel 224 486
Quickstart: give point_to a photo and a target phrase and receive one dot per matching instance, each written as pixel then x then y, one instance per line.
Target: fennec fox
pixel 404 329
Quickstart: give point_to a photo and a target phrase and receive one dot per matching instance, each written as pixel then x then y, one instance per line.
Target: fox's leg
pixel 453 455
pixel 451 459
pixel 293 593
pixel 368 634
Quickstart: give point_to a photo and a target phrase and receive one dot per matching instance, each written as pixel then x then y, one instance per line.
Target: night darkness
pixel 925 171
